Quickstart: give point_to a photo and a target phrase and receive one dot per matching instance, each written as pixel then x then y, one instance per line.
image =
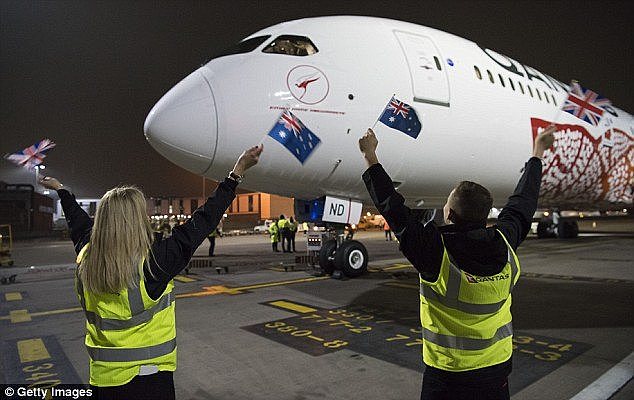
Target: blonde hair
pixel 120 242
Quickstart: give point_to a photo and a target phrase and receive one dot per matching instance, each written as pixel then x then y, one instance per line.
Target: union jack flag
pixel 32 156
pixel 398 107
pixel 585 104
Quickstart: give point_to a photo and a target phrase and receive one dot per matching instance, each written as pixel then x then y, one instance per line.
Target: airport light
pixel 546 213
pixel 369 214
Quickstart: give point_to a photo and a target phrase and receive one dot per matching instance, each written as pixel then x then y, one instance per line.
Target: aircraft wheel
pixel 326 256
pixel 567 229
pixel 352 259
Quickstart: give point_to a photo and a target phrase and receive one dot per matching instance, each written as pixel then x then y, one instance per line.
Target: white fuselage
pixel 472 128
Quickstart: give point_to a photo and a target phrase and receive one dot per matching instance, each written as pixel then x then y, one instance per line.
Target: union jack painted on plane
pixel 33 155
pixel 585 104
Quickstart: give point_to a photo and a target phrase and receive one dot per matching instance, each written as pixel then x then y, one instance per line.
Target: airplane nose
pixel 182 126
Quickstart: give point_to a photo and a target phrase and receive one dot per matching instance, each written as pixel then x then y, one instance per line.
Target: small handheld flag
pixel 585 104
pixel 294 135
pixel 32 156
pixel 402 117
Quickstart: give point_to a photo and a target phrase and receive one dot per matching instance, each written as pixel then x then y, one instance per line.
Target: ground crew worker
pixel 274 231
pixel 282 224
pixel 467 271
pixel 305 227
pixel 212 241
pixel 124 284
pixel 292 227
pixel 388 231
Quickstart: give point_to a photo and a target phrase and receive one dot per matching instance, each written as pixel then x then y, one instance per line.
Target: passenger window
pixel 554 101
pixel 437 63
pixel 529 90
pixel 490 76
pixel 291 45
pixel 546 97
pixel 512 85
pixel 477 72
pixel 538 95
pixel 521 87
pixel 501 80
pixel 244 46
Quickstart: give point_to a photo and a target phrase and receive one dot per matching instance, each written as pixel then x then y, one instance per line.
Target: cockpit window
pixel 291 45
pixel 244 46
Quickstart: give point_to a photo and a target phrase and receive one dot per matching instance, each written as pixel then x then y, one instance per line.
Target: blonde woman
pixel 124 284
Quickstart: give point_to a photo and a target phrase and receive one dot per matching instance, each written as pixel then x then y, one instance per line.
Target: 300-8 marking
pixel 297 332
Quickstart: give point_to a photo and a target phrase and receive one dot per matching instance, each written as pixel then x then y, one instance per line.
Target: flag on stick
pixel 295 136
pixel 402 117
pixel 32 156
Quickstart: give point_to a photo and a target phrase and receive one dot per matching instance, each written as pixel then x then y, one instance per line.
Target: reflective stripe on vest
pixel 139 314
pixel 118 354
pixel 450 299
pixel 456 342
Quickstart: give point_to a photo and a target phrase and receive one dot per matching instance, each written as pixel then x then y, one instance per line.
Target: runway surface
pixel 259 332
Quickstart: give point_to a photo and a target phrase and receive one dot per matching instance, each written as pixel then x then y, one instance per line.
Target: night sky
pixel 85 74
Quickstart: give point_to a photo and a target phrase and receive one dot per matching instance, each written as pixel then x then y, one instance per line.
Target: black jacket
pixel 172 254
pixel 475 248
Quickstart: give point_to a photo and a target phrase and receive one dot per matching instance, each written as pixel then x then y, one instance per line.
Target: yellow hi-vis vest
pixel 127 330
pixel 466 319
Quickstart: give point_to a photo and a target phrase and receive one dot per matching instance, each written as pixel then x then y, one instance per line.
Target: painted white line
pixel 610 382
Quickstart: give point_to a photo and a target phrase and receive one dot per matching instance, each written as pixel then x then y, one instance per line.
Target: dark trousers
pixel 292 241
pixel 286 241
pixel 274 246
pixel 212 245
pixel 388 234
pixel 159 386
pixel 436 389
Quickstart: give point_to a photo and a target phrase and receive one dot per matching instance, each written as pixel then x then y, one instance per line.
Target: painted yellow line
pixel 292 306
pixel 208 291
pixel 398 266
pixel 32 350
pixel 53 312
pixel 20 316
pixel 184 279
pixel 13 296
pixel 404 285
pixel 262 285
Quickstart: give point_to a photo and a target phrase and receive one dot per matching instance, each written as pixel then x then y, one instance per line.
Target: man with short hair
pixel 467 272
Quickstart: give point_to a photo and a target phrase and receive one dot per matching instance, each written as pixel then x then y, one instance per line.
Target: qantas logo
pixel 304 85
pixel 307 84
pixel 477 279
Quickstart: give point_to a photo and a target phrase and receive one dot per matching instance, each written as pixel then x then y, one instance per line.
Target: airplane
pixel 479 109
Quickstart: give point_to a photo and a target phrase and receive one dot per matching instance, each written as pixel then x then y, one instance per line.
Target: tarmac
pixel 268 329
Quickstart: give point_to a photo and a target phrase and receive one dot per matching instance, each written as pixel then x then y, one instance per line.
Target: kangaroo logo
pixel 307 84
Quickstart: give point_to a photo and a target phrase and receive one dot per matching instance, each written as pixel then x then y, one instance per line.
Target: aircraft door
pixel 429 79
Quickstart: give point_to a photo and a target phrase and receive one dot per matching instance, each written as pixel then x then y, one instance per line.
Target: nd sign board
pixel 342 211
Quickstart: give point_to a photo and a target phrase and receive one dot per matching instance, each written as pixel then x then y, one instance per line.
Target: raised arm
pixel 421 244
pixel 172 254
pixel 79 222
pixel 517 215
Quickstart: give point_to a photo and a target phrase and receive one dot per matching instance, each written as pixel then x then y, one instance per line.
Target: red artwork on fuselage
pixel 583 170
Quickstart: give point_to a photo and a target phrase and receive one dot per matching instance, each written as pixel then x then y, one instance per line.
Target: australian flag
pixel 294 135
pixel 585 104
pixel 402 117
